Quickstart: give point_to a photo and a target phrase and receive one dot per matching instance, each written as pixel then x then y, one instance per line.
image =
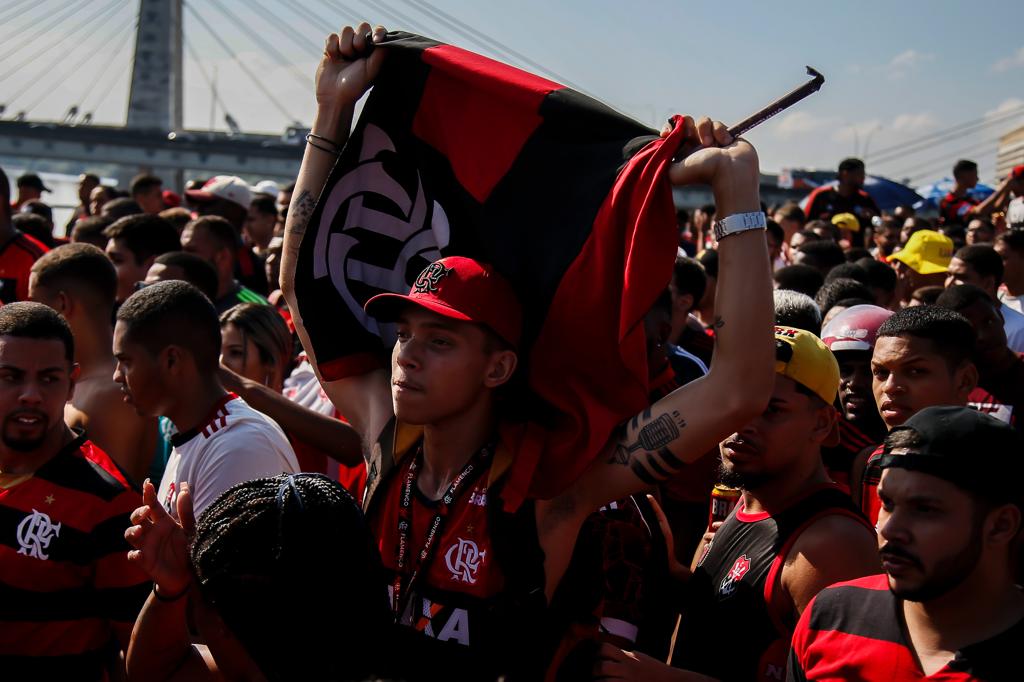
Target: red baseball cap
pixel 462 289
pixel 1018 172
pixel 171 199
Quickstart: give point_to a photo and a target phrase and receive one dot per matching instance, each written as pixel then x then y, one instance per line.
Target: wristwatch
pixel 739 222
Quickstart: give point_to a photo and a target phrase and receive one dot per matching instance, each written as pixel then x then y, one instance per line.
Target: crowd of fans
pixel 158 407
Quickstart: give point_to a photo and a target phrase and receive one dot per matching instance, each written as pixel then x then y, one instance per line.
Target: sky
pixel 895 71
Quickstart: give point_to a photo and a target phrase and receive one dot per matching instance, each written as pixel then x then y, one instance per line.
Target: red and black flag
pixel 457 154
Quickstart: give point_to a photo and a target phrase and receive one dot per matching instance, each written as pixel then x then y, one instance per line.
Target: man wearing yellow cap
pixel 848 225
pixel 793 533
pixel 922 262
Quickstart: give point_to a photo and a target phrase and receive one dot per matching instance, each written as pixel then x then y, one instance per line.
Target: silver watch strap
pixel 739 222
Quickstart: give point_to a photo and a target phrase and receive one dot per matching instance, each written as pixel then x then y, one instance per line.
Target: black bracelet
pixel 160 597
pixel 313 136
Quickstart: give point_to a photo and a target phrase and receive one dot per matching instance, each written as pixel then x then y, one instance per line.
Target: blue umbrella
pixel 888 194
pixel 932 194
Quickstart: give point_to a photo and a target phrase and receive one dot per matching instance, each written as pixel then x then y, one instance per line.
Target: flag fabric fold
pixel 457 154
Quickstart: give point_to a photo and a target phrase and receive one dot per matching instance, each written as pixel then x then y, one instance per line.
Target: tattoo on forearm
pixel 300 211
pixel 645 450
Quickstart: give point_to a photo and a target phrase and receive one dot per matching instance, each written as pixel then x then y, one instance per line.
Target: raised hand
pixel 711 156
pixel 161 543
pixel 349 65
pixel 676 569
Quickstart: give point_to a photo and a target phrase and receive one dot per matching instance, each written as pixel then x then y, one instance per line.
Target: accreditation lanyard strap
pixel 474 467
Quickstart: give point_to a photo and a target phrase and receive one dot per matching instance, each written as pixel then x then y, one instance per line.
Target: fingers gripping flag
pixel 457 154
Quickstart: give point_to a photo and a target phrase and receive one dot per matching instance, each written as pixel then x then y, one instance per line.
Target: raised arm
pixel 344 74
pixel 161 647
pixel 682 426
pixel 332 436
pixel 660 440
pixel 995 201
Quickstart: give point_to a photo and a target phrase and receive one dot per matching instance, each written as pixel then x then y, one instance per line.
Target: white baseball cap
pixel 230 187
pixel 267 187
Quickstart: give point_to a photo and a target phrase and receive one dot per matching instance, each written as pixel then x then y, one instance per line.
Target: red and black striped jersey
pixel 825 202
pixel 66 586
pixel 1001 394
pixel 16 259
pixel 953 210
pixel 853 631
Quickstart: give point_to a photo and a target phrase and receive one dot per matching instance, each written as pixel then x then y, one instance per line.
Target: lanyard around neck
pixel 472 471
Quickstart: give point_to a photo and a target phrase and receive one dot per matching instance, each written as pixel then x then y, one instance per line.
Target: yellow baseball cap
pixel 801 356
pixel 846 221
pixel 927 252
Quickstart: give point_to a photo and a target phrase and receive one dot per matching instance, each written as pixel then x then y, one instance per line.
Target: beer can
pixel 723 500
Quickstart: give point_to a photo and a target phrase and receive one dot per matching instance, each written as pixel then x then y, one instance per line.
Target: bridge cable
pixel 218 100
pixel 261 42
pixel 284 26
pixel 118 29
pixel 17 8
pixel 64 58
pixel 469 31
pixel 231 53
pixel 48 26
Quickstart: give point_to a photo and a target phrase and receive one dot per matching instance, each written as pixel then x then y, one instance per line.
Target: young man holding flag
pixel 438 469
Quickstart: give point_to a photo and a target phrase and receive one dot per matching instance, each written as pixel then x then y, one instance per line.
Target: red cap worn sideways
pixel 461 289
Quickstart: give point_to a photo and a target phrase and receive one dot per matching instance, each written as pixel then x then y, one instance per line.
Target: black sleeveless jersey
pixel 737 620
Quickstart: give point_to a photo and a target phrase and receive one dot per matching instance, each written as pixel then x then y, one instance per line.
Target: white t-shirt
pixel 1013 324
pixel 1015 213
pixel 1014 302
pixel 235 444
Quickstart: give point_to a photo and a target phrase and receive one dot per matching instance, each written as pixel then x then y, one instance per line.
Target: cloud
pixel 861 130
pixel 913 122
pixel 1012 62
pixel 1006 106
pixel 905 62
pixel 801 123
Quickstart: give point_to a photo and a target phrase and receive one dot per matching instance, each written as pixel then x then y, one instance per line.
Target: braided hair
pixel 293 571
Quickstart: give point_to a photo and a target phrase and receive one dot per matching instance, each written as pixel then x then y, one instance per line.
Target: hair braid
pixel 271 551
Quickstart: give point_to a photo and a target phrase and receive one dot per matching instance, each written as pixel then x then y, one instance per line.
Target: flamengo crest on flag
pixel 457 154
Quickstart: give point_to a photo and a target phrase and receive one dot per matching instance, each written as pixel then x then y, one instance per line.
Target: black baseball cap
pixel 34 181
pixel 970 449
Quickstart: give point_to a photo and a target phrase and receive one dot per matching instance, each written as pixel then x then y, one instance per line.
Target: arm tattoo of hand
pixel 647 452
pixel 300 212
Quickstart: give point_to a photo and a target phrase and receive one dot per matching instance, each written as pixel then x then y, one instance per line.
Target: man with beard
pixel 922 358
pixel 80 283
pixel 69 594
pixel 851 337
pixel 792 534
pixel 946 607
